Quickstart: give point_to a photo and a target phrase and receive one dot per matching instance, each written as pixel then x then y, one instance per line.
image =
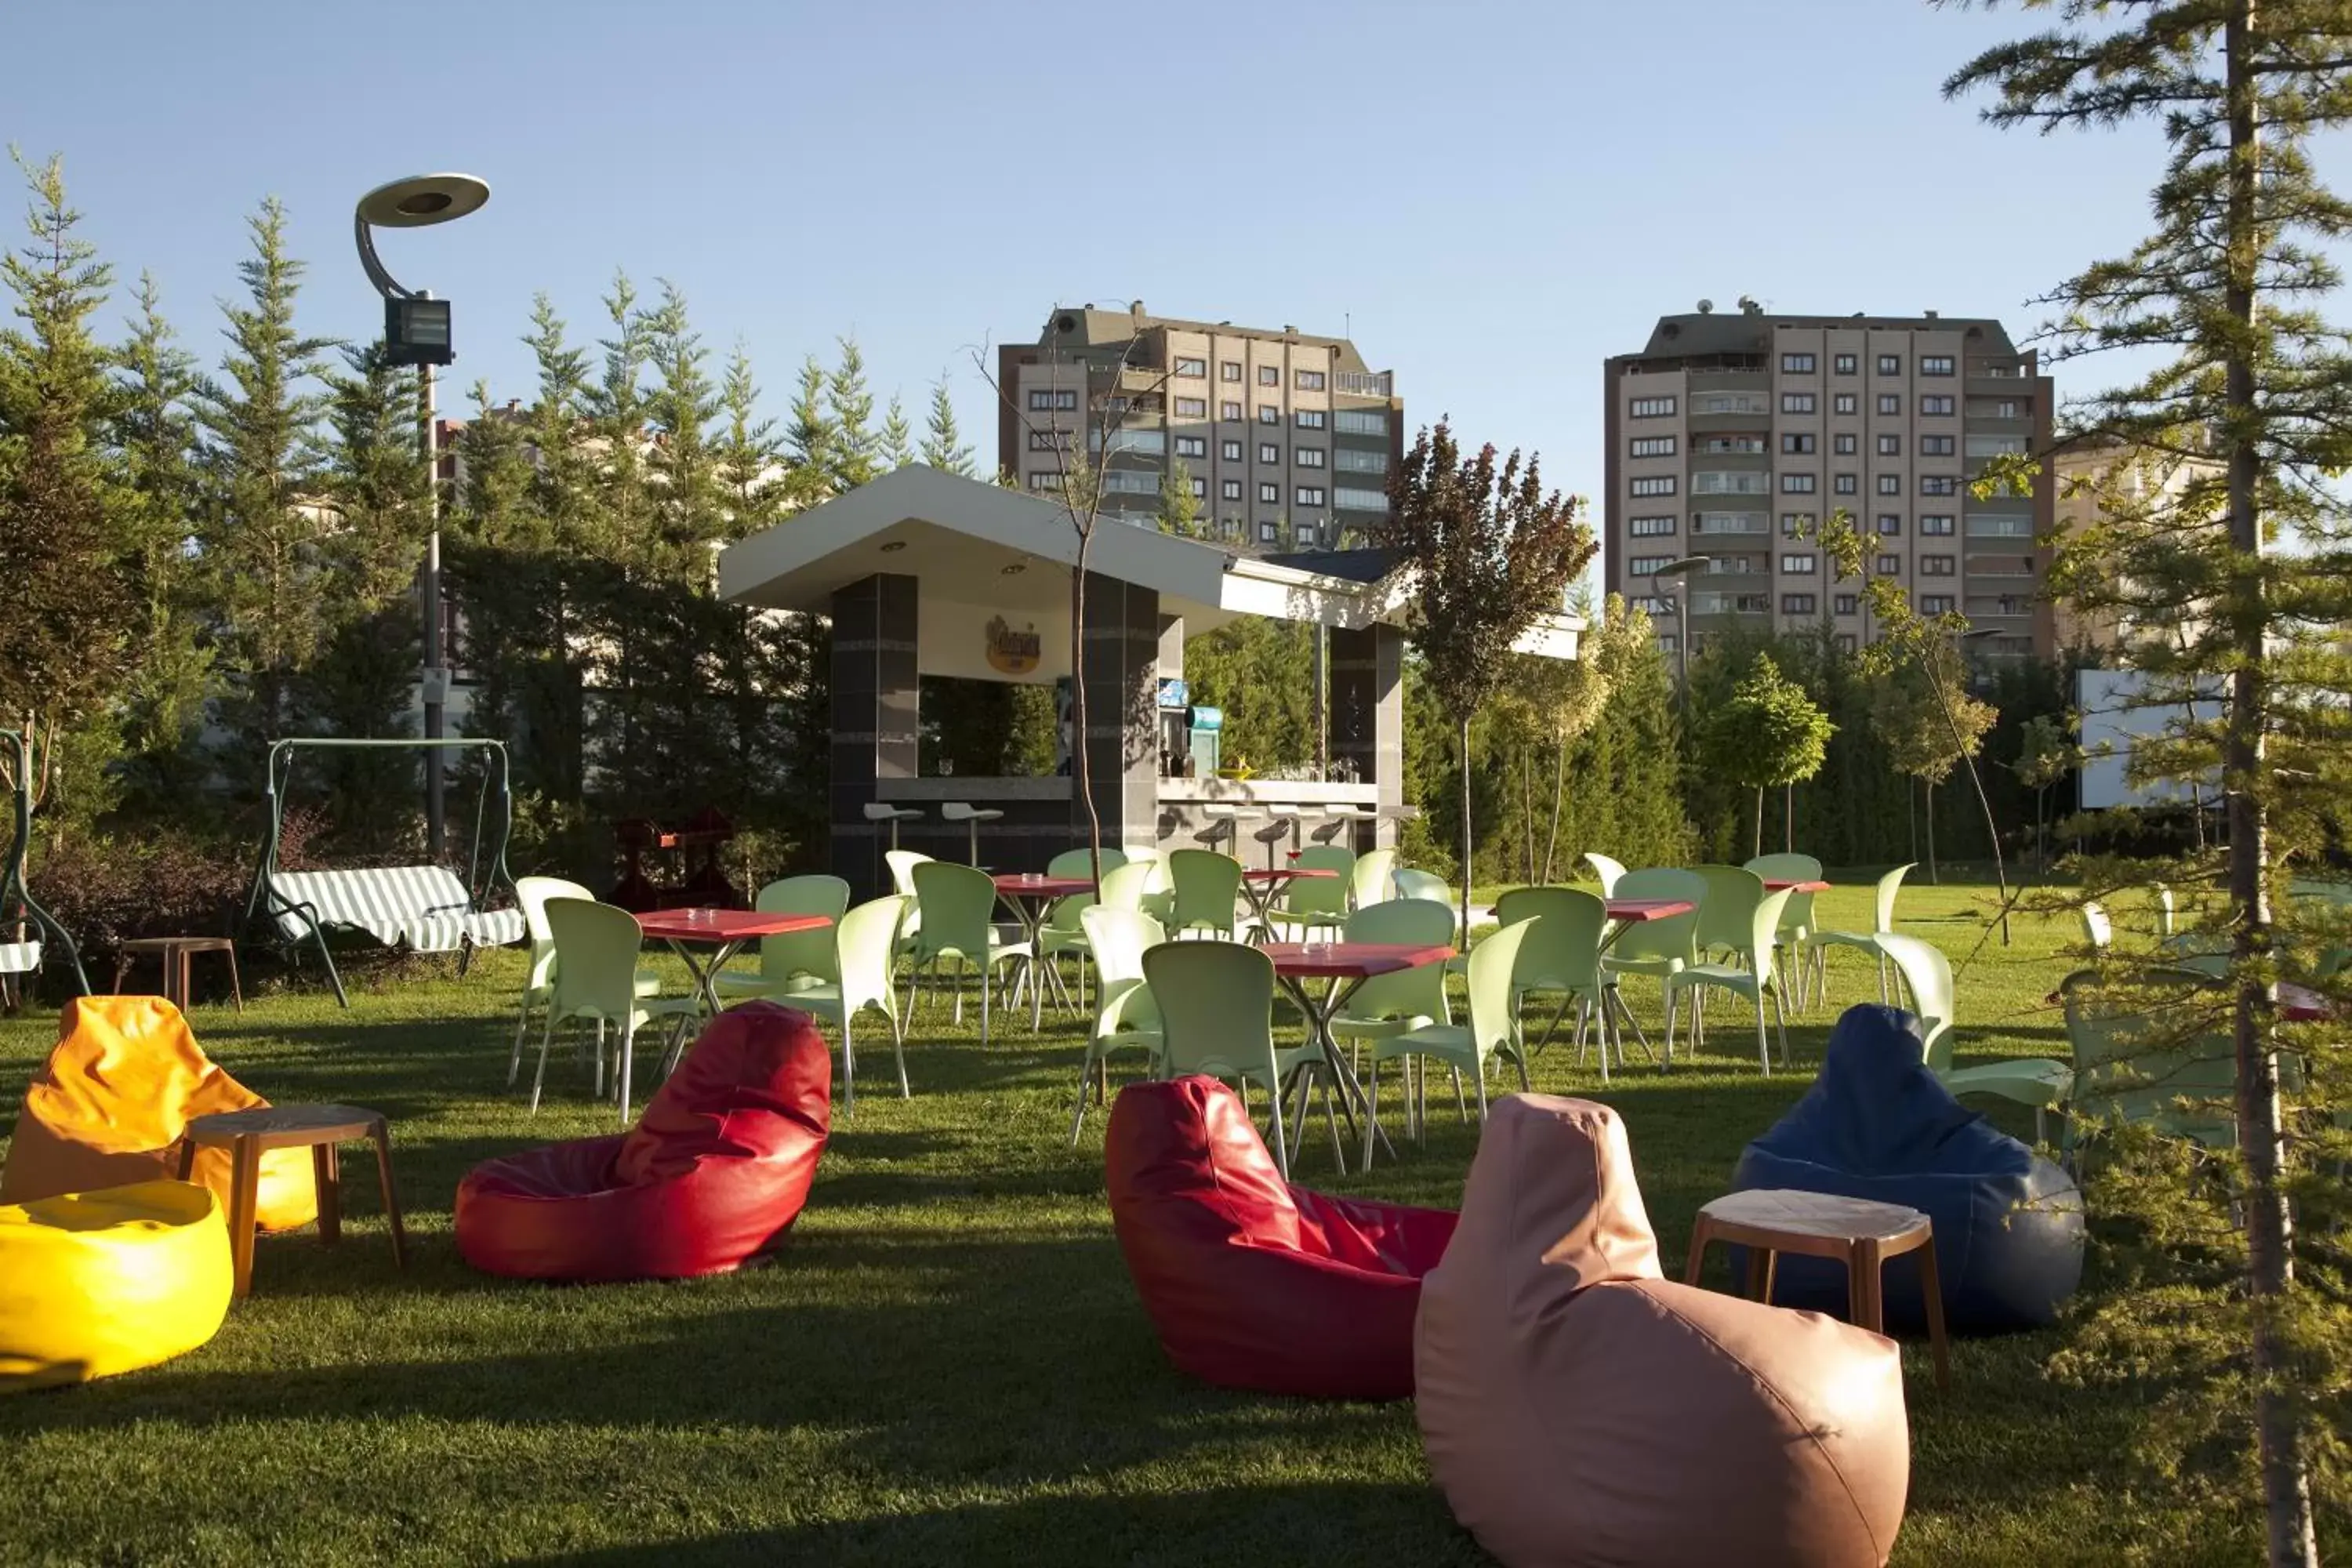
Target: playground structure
pixel 21 954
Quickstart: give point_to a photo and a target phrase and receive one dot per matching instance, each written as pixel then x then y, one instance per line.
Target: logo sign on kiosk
pixel 1011 651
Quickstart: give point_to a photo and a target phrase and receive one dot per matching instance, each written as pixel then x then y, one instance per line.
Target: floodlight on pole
pixel 416 331
pixel 1681 568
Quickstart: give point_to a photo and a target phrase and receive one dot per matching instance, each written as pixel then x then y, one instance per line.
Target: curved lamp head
pixel 413 203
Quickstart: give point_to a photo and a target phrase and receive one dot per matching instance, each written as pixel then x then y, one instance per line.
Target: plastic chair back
pixel 1677 937
pixel 1081 862
pixel 596 948
pixel 1418 992
pixel 1799 917
pixel 1494 988
pixel 866 954
pixel 531 894
pixel 1207 884
pixel 1321 896
pixel 2097 929
pixel 2123 1072
pixel 1888 887
pixel 1416 884
pixel 1928 975
pixel 1727 915
pixel 802 952
pixel 902 863
pixel 1119 939
pixel 955 903
pixel 1123 887
pixel 1372 878
pixel 1563 953
pixel 2165 912
pixel 1216 1007
pixel 1608 871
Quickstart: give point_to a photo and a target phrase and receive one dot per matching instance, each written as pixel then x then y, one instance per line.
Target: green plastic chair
pixel 796 960
pixel 1216 1009
pixel 1562 954
pixel 2121 1076
pixel 2098 930
pixel 1062 930
pixel 1750 973
pixel 1796 922
pixel 1870 942
pixel 531 894
pixel 1372 879
pixel 1608 871
pixel 1413 883
pixel 1492 1028
pixel 1389 1004
pixel 864 967
pixel 902 863
pixel 1207 885
pixel 1926 975
pixel 1318 904
pixel 1656 949
pixel 1125 887
pixel 957 904
pixel 596 948
pixel 1126 1017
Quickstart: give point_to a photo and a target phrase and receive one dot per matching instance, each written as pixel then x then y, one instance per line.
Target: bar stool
pixel 1283 824
pixel 971 817
pixel 1223 826
pixel 881 811
pixel 1339 819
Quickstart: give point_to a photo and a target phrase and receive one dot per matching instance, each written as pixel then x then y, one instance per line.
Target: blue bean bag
pixel 1876 1124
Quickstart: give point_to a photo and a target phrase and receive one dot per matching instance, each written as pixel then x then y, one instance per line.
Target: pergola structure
pixel 924 572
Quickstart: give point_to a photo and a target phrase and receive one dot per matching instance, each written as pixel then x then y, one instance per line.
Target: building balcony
pixel 1364 383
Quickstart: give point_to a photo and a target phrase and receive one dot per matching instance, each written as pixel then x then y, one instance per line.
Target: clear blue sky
pixel 1492 196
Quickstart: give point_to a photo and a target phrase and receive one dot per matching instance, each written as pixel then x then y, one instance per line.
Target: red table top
pixel 1776 885
pixel 1350 959
pixel 723 925
pixel 2298 1005
pixel 1636 911
pixel 1020 885
pixel 1289 874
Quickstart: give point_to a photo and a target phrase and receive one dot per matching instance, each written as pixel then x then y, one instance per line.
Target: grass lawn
pixel 945 1365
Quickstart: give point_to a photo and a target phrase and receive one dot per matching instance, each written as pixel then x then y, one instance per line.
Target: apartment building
pixel 1732 434
pixel 1285 439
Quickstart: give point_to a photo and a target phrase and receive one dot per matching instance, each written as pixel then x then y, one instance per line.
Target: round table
pixel 1031 895
pixel 249 1134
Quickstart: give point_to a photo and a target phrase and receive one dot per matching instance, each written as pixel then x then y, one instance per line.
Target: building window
pixel 1797 484
pixel 1049 441
pixel 1064 400
pixel 1845 642
pixel 1715 483
pixel 1890 364
pixel 1651 408
pixel 1191 446
pixel 1843 402
pixel 1660 485
pixel 1308 456
pixel 1798 604
pixel 1644 566
pixel 1045 480
pixel 1792 441
pixel 1797 364
pixel 1200 490
pixel 1796 525
pixel 1937 603
pixel 1269 375
pixel 1890 565
pixel 1713 445
pixel 1652 447
pixel 1843 443
pixel 1936 402
pixel 1191 368
pixel 1936 567
pixel 1938 524
pixel 1353 460
pixel 1845 484
pixel 1995 446
pixel 1889 402
pixel 1935 446
pixel 1191 408
pixel 1230 450
pixel 1666 641
pixel 1309 495
pixel 1846 604
pixel 1842 364
pixel 1270 493
pixel 1890 484
pixel 1229 370
pixel 2007 409
pixel 1267 452
pixel 1890 445
pixel 1308 418
pixel 1266 532
pixel 1229 411
pixel 1796 402
pixel 1370 421
pixel 1267 413
pixel 1938 485
pixel 1799 565
pixel 1360 500
pixel 1650 527
pixel 1936 364
pixel 1308 380
pixel 1890 524
pixel 1231 490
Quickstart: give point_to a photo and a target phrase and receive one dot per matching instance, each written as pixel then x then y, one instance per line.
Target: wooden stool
pixel 1855 1232
pixel 175 953
pixel 249 1134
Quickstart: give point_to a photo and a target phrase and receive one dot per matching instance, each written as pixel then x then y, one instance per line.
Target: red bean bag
pixel 712 1176
pixel 1250 1281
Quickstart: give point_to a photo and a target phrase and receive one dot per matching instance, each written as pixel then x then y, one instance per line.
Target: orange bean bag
pixel 1577 1408
pixel 109 1107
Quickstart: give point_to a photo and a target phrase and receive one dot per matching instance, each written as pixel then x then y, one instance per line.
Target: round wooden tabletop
pixel 1822 1215
pixel 287 1124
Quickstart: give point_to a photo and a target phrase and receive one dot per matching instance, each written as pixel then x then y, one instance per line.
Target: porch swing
pixel 422 908
pixel 21 954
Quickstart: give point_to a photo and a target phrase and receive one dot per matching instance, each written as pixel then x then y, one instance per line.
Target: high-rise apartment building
pixel 1732 434
pixel 1285 439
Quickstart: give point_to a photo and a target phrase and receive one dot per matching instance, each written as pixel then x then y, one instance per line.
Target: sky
pixel 1489 197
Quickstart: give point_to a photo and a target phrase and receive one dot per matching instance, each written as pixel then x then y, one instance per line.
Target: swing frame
pixel 13 894
pixel 266 903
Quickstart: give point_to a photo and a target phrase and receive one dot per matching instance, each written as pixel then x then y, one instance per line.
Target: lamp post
pixel 416 331
pixel 1678 569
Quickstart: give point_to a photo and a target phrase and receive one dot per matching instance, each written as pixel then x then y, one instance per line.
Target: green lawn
pixel 946 1364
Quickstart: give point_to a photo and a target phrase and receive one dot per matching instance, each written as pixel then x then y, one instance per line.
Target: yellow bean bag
pixel 109 1108
pixel 92 1284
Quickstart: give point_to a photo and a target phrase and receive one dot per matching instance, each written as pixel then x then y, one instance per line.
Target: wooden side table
pixel 176 951
pixel 249 1134
pixel 1854 1232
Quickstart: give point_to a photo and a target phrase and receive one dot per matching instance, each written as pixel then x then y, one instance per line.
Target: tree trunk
pixel 1992 829
pixel 1081 774
pixel 1528 812
pixel 2286 1486
pixel 1935 878
pixel 1760 819
pixel 1789 817
pixel 1911 813
pixel 1463 935
pixel 1559 793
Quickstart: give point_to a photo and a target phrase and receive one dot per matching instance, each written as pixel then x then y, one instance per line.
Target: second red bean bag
pixel 713 1175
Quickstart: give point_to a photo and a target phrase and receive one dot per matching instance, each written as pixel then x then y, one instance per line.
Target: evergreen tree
pixel 2247 572
pixel 688 499
pixel 809 441
pixel 943 446
pixel 620 518
pixel 749 461
pixel 896 443
pixel 854 450
pixel 263 528
pixel 1179 507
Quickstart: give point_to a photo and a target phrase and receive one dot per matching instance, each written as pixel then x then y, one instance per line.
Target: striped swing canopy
pixel 21 950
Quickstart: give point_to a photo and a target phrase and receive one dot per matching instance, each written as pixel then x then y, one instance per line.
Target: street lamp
pixel 416 331
pixel 1683 567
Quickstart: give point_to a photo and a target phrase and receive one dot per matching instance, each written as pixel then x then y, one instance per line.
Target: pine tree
pixel 853 452
pixel 896 447
pixel 747 451
pixel 809 441
pixel 688 501
pixel 264 528
pixel 2252 567
pixel 943 446
pixel 1179 507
